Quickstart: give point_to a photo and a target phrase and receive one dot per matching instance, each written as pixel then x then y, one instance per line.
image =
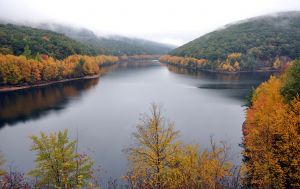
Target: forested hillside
pixel 61 41
pixel 255 43
pixel 20 40
pixel 112 45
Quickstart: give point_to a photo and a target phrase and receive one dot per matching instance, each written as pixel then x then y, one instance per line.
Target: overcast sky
pixel 169 21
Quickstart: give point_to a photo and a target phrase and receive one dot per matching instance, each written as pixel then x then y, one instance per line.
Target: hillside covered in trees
pixel 16 39
pixel 251 44
pixel 112 45
pixel 60 41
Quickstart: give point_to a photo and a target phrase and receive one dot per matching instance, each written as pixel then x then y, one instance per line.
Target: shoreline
pixel 221 72
pixel 9 88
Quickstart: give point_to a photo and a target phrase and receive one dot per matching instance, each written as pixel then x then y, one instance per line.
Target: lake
pixel 104 112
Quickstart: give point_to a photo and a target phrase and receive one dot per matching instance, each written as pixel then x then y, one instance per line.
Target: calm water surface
pixel 105 111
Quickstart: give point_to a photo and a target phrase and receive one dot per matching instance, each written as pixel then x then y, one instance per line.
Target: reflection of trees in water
pixel 138 64
pixel 200 74
pixel 236 86
pixel 105 69
pixel 33 103
pixel 260 76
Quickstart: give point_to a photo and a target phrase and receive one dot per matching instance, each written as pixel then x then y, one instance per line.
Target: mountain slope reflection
pixel 234 86
pixel 24 105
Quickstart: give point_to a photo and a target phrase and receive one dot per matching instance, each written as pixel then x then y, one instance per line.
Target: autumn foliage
pixel 233 62
pixel 58 165
pixel 272 135
pixel 159 160
pixel 19 69
pixel 183 61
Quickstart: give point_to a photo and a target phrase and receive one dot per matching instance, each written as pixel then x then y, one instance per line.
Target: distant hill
pixel 61 41
pixel 114 45
pixel 15 39
pixel 260 41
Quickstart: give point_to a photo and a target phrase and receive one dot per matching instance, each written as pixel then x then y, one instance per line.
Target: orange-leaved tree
pixel 272 138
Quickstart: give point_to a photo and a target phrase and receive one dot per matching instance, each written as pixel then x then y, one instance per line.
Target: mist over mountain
pixel 105 44
pixel 109 44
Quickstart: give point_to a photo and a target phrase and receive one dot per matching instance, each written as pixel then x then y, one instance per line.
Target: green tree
pixel 27 52
pixel 58 164
pixel 291 86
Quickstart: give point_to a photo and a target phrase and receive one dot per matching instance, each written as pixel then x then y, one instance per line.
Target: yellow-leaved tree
pixel 272 138
pixel 152 157
pixel 58 165
pixel 159 160
pixel 207 168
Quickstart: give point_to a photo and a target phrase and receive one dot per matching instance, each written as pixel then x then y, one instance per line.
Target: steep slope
pixel 259 40
pixel 16 39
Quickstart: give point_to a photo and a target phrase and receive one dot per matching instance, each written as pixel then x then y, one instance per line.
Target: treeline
pixel 157 160
pixel 272 133
pixel 22 70
pixel 259 40
pixel 234 62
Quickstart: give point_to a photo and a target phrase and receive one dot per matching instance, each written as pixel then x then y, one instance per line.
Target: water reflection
pixel 30 104
pixel 235 86
pixel 139 64
pixel 20 106
pixel 106 69
pixel 219 76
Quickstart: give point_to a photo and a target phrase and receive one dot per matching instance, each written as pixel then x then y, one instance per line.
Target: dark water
pixel 105 111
